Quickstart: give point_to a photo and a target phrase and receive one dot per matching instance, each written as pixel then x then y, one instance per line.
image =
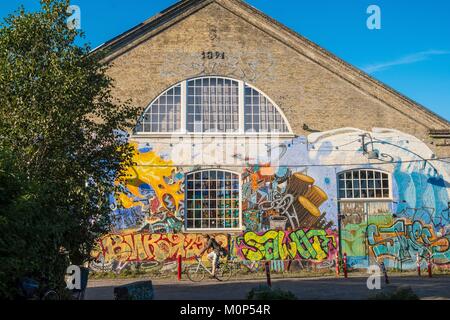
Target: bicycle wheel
pixel 224 272
pixel 195 273
pixel 51 295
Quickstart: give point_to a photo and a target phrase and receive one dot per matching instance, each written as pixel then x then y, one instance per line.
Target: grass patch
pixel 267 293
pixel 402 293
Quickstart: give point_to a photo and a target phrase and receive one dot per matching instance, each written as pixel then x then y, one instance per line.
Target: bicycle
pixel 197 272
pixel 31 289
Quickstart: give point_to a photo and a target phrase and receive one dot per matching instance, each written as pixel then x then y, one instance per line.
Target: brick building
pixel 282 150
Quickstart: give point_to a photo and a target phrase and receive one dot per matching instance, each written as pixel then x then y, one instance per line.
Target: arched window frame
pixel 241 129
pixel 186 209
pixel 383 198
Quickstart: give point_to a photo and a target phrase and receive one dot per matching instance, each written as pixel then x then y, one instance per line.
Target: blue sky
pixel 411 52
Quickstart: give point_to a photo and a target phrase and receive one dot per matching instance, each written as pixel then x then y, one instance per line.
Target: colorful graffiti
pixel 117 250
pixel 290 207
pixel 354 235
pixel 404 239
pixel 313 244
pixel 151 197
pixel 276 198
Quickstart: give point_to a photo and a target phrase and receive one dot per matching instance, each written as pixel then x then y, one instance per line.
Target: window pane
pixel 215 101
pixel 216 196
pixel 260 114
pixel 378 184
pixel 161 114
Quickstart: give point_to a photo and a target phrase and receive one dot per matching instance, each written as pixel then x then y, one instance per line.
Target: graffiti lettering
pixel 144 247
pixel 404 239
pixel 317 245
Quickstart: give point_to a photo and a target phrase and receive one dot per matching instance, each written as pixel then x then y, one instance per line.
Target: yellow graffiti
pixel 313 244
pixel 266 246
pixel 150 169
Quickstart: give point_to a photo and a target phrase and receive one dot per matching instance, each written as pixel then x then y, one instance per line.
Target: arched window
pixel 212 105
pixel 212 200
pixel 364 184
pixel 260 114
pixel 164 114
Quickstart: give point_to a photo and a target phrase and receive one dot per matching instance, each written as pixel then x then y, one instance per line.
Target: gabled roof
pixel 182 9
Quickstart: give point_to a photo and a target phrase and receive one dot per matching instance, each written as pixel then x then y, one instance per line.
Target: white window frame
pixel 241 124
pixel 212 230
pixel 360 199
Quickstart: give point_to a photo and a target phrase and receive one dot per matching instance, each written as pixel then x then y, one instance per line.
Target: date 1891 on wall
pixel 210 55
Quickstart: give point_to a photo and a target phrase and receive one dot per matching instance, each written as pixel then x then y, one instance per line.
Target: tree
pixel 29 236
pixel 64 132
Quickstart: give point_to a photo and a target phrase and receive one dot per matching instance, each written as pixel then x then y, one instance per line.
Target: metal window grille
pixel 212 200
pixel 364 184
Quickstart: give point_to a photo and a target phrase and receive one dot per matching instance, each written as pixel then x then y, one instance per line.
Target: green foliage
pixel 401 293
pixel 266 293
pixel 59 145
pixel 29 235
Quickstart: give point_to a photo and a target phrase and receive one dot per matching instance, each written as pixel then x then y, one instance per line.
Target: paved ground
pixel 353 288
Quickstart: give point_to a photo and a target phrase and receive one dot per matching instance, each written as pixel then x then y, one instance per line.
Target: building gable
pixel 315 89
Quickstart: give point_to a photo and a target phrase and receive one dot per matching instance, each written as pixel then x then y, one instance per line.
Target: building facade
pixel 281 150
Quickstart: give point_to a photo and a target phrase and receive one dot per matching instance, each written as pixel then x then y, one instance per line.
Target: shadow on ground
pixel 354 288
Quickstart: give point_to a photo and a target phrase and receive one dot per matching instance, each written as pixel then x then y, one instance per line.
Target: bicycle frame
pixel 200 264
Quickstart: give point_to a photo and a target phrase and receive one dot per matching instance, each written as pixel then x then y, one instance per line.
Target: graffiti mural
pixel 403 239
pixel 151 197
pixel 282 200
pixel 289 196
pixel 314 244
pixel 115 251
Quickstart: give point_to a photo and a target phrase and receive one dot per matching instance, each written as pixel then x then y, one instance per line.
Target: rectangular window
pixel 212 200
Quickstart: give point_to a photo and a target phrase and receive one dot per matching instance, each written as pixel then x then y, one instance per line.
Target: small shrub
pixel 266 293
pixel 402 293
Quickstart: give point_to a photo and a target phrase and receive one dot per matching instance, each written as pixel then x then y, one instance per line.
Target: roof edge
pixel 344 63
pixel 183 6
pixel 153 22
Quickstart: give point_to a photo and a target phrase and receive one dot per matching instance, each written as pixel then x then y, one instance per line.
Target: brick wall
pixel 307 92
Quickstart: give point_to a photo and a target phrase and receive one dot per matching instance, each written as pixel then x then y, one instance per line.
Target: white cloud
pixel 408 59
